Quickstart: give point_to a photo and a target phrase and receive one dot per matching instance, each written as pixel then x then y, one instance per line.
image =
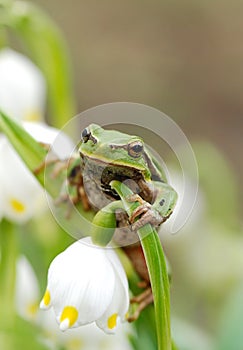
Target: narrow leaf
pixel 32 153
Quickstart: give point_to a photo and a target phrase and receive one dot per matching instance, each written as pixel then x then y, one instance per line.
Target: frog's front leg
pixel 157 212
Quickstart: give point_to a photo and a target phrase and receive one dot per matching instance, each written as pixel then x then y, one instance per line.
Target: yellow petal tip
pixel 69 316
pixel 17 205
pixel 45 302
pixel 112 320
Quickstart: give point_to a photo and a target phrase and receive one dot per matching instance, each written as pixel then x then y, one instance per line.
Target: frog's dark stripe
pixel 155 175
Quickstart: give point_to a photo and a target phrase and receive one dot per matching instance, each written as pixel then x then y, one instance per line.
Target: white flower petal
pixel 120 302
pixel 22 87
pixel 90 293
pixel 120 274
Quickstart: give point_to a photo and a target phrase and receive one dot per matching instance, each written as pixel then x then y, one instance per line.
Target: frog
pixel 108 155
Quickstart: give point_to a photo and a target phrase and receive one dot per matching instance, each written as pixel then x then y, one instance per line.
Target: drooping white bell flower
pixel 26 289
pixel 21 195
pixel 22 87
pixel 87 284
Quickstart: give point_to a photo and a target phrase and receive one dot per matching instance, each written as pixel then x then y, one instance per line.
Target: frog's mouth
pixel 120 173
pixel 103 173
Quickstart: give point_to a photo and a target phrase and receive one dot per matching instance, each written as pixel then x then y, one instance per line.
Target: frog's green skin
pixel 108 155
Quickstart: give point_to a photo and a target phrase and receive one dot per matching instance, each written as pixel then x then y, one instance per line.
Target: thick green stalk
pixel 156 264
pixel 8 248
pixel 158 274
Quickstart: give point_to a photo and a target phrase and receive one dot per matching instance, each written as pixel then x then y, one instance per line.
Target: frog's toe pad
pixel 142 209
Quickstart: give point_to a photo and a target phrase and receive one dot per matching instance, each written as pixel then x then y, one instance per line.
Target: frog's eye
pixel 85 135
pixel 135 149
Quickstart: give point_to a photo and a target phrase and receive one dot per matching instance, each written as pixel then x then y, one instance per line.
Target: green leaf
pixel 32 153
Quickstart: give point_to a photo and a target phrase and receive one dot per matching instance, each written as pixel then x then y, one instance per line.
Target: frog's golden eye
pixel 85 135
pixel 135 149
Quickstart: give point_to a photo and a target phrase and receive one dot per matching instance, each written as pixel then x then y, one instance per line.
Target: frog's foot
pixel 147 215
pixel 142 209
pixel 83 198
pixel 143 300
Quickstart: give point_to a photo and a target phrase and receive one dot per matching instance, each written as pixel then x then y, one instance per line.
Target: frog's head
pixel 113 155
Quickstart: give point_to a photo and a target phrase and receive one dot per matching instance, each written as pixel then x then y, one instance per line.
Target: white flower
pixel 22 87
pixel 26 289
pixel 21 195
pixel 87 284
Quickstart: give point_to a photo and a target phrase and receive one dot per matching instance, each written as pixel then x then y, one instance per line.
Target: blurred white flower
pixel 87 284
pixel 22 87
pixel 21 195
pixel 26 290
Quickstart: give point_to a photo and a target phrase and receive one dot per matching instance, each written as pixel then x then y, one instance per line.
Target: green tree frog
pixel 108 155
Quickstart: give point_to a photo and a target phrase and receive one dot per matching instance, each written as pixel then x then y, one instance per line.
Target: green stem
pixel 158 274
pixel 156 264
pixel 8 248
